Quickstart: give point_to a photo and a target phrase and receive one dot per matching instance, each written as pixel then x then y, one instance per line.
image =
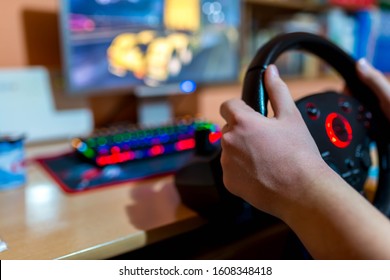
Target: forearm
pixel 335 222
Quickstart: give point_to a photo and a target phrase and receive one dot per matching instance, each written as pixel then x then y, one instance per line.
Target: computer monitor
pixel 165 45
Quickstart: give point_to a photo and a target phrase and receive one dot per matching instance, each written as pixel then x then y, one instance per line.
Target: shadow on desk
pixel 265 237
pixel 153 205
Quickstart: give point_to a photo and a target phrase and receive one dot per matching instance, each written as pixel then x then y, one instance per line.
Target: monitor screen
pixel 121 44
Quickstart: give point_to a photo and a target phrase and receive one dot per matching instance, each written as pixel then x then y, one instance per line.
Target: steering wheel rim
pixel 255 94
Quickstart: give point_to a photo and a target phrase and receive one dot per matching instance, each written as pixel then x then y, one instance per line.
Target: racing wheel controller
pixel 343 127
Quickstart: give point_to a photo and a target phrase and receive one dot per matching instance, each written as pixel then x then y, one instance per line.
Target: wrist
pixel 317 181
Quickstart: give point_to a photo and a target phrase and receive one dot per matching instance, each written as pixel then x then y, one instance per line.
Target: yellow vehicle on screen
pixel 148 56
pixel 154 57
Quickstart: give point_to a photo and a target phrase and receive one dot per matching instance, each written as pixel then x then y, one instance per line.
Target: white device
pixel 27 107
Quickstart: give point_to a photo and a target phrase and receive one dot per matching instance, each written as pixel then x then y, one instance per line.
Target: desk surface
pixel 40 221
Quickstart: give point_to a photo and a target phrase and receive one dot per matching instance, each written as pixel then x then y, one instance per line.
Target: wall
pixel 29 32
pixel 13 49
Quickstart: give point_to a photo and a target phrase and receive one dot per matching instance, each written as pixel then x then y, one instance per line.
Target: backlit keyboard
pixel 124 143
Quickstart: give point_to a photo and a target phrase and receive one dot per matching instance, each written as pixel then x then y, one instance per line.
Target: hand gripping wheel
pixel 342 126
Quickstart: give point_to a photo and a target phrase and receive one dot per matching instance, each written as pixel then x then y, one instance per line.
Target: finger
pixel 227 137
pixel 346 91
pixel 231 109
pixel 373 78
pixel 279 95
pixel 225 128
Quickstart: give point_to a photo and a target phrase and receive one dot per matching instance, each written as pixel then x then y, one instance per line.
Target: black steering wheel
pixel 343 126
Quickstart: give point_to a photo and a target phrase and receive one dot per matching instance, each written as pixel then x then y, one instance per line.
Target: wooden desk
pixel 40 221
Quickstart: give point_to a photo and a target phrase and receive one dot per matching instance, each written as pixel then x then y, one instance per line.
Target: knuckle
pixel 227 141
pixel 225 129
pixel 238 118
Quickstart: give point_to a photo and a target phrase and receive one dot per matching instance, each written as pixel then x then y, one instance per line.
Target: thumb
pixel 374 79
pixel 279 95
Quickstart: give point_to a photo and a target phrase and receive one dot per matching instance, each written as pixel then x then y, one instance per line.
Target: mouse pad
pixel 76 175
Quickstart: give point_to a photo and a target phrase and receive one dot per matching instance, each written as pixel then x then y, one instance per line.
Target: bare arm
pixel 274 164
